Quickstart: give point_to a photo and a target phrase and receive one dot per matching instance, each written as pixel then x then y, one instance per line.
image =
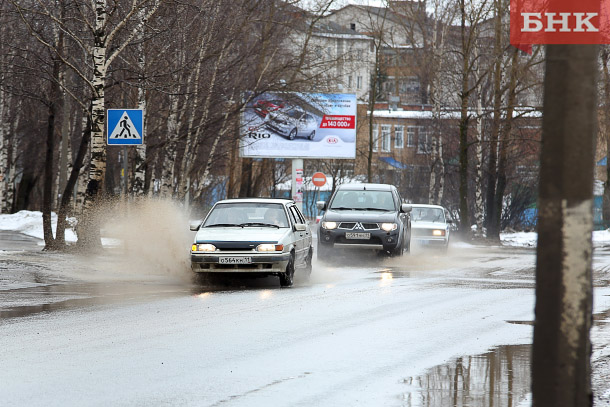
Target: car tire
pixel 293 134
pixel 287 277
pixel 312 135
pixel 398 251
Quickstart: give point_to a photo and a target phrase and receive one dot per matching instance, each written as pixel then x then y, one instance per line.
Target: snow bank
pixel 30 223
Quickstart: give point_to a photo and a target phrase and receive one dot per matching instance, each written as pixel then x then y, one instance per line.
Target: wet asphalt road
pixel 46 285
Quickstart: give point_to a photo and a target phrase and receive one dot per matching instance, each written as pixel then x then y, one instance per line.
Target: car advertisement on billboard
pixel 299 125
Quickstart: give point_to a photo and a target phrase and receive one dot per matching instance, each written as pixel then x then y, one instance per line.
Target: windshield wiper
pixel 375 209
pixel 259 224
pixel 222 225
pixel 342 208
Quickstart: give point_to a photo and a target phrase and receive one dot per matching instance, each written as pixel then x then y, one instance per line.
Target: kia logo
pixel 332 140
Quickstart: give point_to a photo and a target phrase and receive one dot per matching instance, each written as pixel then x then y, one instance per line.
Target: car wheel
pixel 397 252
pixel 292 135
pixel 312 135
pixel 287 277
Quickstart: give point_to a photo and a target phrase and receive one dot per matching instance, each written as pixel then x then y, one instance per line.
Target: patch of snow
pixel 30 223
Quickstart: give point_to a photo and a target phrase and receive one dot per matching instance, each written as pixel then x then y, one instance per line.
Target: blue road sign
pixel 124 127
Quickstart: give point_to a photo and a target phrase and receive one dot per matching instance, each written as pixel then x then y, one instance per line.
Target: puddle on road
pixel 23 302
pixel 500 377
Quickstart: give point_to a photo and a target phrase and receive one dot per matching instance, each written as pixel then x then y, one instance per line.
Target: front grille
pixel 347 225
pixel 356 225
pixel 423 232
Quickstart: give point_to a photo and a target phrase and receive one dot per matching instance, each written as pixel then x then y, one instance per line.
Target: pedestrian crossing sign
pixel 125 127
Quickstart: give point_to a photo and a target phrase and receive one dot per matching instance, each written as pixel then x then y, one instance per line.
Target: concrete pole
pixel 297 182
pixel 561 371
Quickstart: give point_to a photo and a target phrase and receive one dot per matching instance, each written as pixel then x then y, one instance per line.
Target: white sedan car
pixel 254 236
pixel 430 226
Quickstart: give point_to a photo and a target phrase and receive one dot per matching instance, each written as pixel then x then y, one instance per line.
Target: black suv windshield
pixel 363 200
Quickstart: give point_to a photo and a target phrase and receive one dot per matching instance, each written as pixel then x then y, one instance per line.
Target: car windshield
pixel 369 200
pixel 247 214
pixel 427 214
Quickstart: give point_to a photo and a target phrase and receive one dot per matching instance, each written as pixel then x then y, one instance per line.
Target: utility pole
pixel 561 371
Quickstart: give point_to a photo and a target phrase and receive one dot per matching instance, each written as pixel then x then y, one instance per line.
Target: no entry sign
pixel 318 179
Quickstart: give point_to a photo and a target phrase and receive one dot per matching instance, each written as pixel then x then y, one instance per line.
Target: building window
pixel 349 81
pixel 399 136
pixel 424 142
pixel 411 136
pixel 352 26
pixel 375 137
pixel 359 82
pixel 385 137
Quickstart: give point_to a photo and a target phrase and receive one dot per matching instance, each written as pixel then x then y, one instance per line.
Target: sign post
pixel 297 182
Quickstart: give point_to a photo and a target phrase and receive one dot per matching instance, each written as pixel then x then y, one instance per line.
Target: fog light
pixel 327 238
pixel 390 240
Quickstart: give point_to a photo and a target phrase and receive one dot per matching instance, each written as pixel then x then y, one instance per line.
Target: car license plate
pixel 235 260
pixel 355 235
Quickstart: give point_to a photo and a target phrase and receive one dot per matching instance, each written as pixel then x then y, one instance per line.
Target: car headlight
pixel 329 225
pixel 388 227
pixel 203 247
pixel 267 247
pixel 438 232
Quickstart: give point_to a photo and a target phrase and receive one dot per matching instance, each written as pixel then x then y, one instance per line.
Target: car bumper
pixel 258 262
pixel 278 128
pixel 430 241
pixel 379 239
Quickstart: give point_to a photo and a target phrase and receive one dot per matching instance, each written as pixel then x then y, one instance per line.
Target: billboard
pixel 299 125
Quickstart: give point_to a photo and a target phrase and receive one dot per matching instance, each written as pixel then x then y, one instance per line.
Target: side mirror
pixel 300 227
pixel 406 208
pixel 321 205
pixel 194 225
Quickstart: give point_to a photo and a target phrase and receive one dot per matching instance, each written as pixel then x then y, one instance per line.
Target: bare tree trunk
pixel 49 168
pixel 64 207
pixel 169 159
pixel 4 147
pixel 504 143
pixel 464 118
pixel 492 170
pixel 12 174
pixel 478 175
pixel 561 371
pixel 139 173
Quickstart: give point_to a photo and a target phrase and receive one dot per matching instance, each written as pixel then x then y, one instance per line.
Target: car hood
pixel 238 234
pixel 359 216
pixel 428 225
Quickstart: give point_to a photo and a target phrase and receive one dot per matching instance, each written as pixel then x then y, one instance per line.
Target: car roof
pixel 366 187
pixel 282 201
pixel 426 206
